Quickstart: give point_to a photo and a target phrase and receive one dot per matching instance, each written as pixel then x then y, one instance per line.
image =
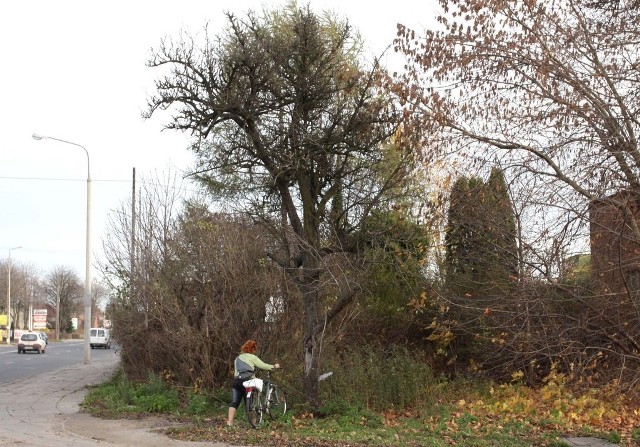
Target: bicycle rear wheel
pixel 276 405
pixel 254 411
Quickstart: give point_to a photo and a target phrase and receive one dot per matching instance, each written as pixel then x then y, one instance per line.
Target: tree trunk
pixel 311 298
pixel 311 371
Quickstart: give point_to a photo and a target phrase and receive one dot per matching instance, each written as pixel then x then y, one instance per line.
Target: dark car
pixel 44 336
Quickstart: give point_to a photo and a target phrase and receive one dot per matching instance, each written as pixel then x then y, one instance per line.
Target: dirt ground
pixel 147 432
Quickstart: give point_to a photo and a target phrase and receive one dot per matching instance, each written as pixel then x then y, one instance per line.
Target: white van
pixel 99 337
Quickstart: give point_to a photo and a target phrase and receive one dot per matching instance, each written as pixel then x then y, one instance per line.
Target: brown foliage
pixel 550 90
pixel 195 303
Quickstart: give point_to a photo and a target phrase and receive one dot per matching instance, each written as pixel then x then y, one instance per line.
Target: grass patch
pixel 460 412
pixel 120 398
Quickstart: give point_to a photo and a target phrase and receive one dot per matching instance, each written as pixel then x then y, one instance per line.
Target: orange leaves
pixel 393 418
pixel 420 303
pixel 551 408
pixel 301 420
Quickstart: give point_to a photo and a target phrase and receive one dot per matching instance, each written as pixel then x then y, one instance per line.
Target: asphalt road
pixel 57 355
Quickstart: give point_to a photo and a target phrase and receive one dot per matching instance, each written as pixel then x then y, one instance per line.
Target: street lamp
pixel 87 276
pixel 9 296
pixel 58 310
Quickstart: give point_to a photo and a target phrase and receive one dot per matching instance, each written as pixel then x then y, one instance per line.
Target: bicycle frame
pixel 259 400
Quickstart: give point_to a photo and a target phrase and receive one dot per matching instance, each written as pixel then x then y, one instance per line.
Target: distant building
pixel 615 249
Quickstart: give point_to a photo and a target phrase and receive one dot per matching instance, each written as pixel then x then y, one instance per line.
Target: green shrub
pixel 119 395
pixel 377 379
pixel 198 404
pixel 155 396
pixel 153 385
pixel 158 403
pixel 613 436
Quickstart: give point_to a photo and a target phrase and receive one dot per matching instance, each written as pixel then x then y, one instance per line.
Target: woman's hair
pixel 249 346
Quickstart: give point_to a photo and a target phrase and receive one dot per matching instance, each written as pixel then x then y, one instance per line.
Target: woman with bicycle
pixel 244 369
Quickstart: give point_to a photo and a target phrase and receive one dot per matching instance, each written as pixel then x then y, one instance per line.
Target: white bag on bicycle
pixel 254 383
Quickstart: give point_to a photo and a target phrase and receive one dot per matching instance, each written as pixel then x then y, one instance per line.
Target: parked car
pixel 44 336
pixel 30 341
pixel 100 338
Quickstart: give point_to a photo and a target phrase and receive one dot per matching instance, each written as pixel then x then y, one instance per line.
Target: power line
pixel 151 182
pixel 63 179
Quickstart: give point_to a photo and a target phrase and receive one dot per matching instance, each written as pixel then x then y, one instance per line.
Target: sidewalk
pixel 45 412
pixel 588 442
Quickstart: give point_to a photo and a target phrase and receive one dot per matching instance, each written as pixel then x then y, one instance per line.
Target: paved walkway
pixel 45 412
pixel 588 442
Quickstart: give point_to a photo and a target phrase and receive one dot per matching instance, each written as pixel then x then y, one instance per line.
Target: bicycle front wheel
pixel 276 405
pixel 254 411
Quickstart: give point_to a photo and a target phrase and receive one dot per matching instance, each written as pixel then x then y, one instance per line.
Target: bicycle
pixel 273 401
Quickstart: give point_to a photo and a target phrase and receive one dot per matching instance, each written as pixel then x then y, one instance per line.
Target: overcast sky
pixel 75 70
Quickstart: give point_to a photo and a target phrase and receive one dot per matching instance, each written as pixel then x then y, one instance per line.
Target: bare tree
pixel 550 89
pixel 99 301
pixel 135 249
pixel 25 287
pixel 64 293
pixel 200 286
pixel 554 86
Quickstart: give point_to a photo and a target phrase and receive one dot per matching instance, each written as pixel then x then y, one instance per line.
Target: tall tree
pixel 481 257
pixel 64 293
pixel 480 240
pixel 551 86
pixel 502 251
pixel 464 238
pixel 25 286
pixel 288 121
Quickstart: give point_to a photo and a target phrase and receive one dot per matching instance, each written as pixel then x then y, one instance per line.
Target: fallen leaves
pixel 553 408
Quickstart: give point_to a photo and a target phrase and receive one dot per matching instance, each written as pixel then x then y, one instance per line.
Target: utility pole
pixel 9 296
pixel 132 270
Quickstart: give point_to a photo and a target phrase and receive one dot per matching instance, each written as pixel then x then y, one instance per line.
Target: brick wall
pixel 615 252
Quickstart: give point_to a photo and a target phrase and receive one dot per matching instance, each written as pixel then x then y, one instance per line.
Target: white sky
pixel 75 70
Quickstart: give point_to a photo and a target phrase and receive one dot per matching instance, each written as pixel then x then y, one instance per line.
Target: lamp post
pixel 9 296
pixel 58 310
pixel 87 276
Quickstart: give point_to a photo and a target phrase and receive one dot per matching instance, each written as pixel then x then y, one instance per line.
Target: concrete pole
pixel 9 296
pixel 87 276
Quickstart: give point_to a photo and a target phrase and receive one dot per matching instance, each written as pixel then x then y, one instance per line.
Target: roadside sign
pixel 39 318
